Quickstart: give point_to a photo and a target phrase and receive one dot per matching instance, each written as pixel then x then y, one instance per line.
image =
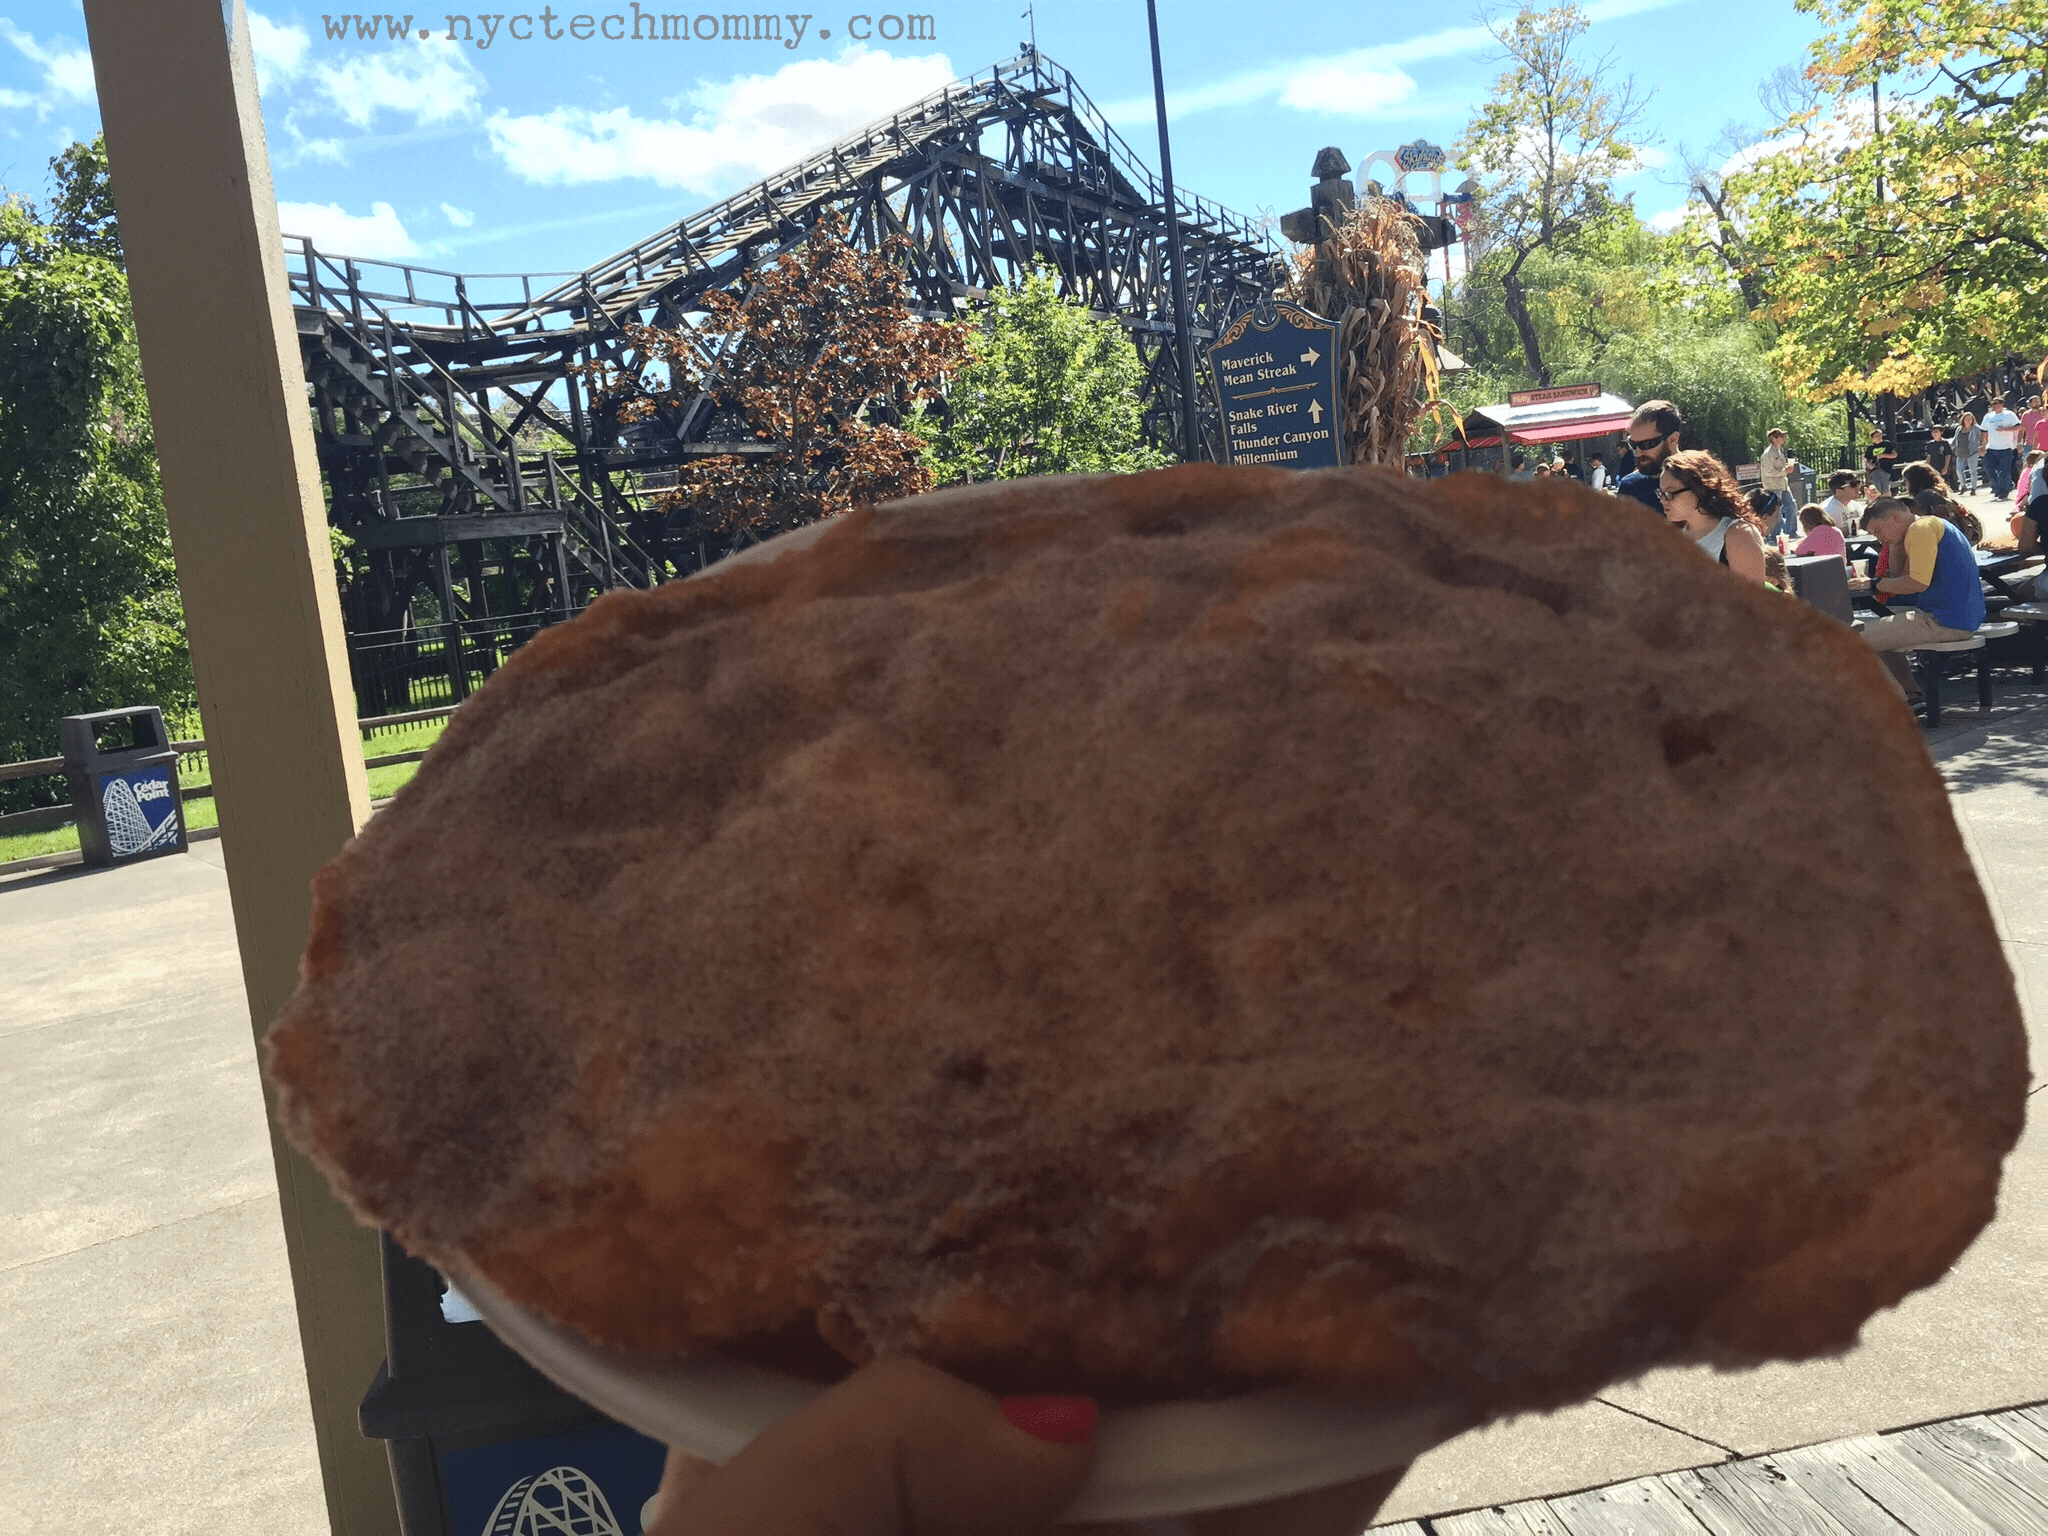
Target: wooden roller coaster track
pixel 469 467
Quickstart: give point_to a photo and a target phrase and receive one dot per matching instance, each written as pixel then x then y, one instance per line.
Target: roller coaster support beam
pixel 241 484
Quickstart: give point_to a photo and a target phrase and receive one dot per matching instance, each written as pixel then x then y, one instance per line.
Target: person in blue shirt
pixel 1933 586
pixel 1652 437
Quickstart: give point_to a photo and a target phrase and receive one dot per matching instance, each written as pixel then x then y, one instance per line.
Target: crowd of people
pixel 1914 557
pixel 1923 580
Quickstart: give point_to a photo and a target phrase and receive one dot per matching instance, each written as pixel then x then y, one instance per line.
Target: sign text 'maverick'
pixel 1277 384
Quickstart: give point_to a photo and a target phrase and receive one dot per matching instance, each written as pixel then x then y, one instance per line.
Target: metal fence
pixel 406 676
pixel 195 768
pixel 423 666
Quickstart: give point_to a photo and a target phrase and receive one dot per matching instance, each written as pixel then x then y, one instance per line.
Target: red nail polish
pixel 1062 1420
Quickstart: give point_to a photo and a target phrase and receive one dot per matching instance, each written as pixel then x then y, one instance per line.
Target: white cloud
pixel 290 146
pixel 67 66
pixel 1744 159
pixel 1311 85
pixel 741 129
pixel 1844 127
pixel 16 99
pixel 432 82
pixel 1650 158
pixel 461 218
pixel 280 50
pixel 1666 221
pixel 1616 10
pixel 1279 80
pixel 1343 90
pixel 332 228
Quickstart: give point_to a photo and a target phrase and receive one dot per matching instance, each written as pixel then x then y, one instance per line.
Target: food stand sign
pixel 1518 398
pixel 1277 383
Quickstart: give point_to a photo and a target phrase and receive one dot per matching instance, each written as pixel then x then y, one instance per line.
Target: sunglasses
pixel 1648 446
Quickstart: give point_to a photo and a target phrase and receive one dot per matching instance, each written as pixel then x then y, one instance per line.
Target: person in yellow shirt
pixel 1937 596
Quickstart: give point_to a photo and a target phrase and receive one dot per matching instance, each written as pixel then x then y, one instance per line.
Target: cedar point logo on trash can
pixel 558 1502
pixel 130 829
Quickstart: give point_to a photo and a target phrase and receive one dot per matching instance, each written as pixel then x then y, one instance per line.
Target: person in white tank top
pixel 1702 500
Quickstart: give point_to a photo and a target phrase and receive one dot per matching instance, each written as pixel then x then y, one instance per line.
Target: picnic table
pixel 2008 572
pixel 2005 572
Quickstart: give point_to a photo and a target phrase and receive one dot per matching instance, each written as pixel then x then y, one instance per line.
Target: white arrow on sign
pixel 1310 356
pixel 1315 412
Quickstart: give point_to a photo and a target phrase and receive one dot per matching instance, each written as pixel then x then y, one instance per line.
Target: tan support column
pixel 220 353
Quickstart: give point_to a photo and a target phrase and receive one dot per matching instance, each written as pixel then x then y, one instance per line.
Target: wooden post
pixel 227 396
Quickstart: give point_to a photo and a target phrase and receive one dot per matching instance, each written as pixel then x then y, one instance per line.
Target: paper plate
pixel 1153 1462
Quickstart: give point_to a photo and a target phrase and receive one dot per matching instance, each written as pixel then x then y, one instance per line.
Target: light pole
pixel 1190 423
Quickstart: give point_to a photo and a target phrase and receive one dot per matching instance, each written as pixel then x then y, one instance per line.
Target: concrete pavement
pixel 150 1350
pixel 151 1357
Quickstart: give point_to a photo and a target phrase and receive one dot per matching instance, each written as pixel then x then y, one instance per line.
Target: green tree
pixel 1046 390
pixel 89 611
pixel 1554 133
pixel 1905 241
pixel 1641 314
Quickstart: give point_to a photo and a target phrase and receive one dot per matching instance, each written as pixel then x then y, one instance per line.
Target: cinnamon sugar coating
pixel 1162 933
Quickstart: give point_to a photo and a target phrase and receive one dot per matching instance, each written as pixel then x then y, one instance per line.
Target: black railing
pixel 51 809
pixel 423 666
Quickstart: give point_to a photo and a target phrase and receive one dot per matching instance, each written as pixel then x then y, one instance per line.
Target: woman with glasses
pixel 1702 500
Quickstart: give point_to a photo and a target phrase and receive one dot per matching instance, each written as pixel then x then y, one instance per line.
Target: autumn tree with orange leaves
pixel 1898 219
pixel 820 356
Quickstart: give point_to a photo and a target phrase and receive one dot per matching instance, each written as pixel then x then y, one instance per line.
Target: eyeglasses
pixel 1669 496
pixel 1649 446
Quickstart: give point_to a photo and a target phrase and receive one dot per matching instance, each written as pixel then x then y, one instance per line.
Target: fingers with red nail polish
pixel 1061 1420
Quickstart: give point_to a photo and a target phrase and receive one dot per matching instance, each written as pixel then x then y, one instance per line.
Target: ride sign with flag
pixel 1277 381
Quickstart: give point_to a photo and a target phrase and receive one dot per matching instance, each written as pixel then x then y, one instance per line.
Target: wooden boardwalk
pixel 1960 1477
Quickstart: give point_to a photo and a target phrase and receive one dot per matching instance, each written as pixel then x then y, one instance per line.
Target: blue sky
pixel 537 155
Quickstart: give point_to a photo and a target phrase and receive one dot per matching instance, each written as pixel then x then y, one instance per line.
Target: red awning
pixel 1571 431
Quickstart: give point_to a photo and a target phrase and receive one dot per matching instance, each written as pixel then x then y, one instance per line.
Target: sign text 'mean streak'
pixel 1277 386
pixel 1253 375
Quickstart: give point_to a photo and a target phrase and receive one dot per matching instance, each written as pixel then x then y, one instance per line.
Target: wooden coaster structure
pixel 467 461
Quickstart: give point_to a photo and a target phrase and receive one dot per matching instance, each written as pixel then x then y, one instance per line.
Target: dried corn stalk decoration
pixel 1367 275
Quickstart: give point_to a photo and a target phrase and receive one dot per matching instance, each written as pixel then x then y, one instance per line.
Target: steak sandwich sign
pixel 1277 382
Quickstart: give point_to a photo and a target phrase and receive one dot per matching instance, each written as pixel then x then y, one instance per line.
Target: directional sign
pixel 1279 391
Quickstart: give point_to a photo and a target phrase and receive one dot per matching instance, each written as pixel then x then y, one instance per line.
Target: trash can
pixel 1823 580
pixel 480 1443
pixel 124 784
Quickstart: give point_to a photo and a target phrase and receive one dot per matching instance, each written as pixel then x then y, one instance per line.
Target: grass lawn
pixel 384 782
pixel 194 771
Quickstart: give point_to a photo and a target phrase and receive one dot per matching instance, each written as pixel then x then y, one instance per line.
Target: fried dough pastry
pixel 1153 935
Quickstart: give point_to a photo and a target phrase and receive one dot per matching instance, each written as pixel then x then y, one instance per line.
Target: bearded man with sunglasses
pixel 1652 437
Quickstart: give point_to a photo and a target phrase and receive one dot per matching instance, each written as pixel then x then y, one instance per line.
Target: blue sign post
pixel 1278 385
